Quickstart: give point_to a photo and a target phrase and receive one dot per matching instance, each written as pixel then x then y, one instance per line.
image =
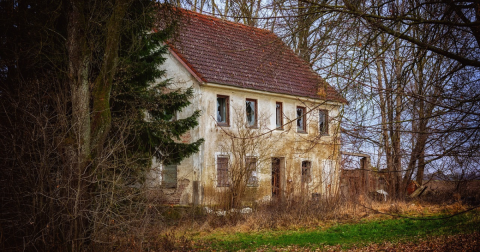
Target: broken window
pixel 301 120
pixel 251 109
pixel 323 122
pixel 169 176
pixel 222 171
pixel 251 165
pixel 222 110
pixel 306 171
pixel 279 115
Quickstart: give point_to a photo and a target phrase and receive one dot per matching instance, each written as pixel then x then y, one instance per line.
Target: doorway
pixel 277 172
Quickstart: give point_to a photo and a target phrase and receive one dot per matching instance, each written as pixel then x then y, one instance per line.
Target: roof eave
pixel 177 55
pixel 290 96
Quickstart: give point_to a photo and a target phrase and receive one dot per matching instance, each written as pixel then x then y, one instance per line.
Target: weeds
pixel 327 221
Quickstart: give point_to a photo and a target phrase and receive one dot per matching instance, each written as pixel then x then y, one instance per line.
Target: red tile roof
pixel 228 53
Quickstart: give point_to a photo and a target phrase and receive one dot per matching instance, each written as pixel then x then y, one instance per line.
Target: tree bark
pixel 78 71
pixel 101 116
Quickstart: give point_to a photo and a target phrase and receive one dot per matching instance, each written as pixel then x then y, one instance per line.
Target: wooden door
pixel 275 177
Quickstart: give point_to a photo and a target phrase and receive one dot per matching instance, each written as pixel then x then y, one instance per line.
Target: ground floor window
pixel 169 176
pixel 222 171
pixel 251 165
pixel 306 171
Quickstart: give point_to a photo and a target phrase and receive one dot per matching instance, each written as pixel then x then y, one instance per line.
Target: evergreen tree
pixel 151 105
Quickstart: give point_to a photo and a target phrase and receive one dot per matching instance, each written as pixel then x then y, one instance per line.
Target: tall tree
pixel 60 61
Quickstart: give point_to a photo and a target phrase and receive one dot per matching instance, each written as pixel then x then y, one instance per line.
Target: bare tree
pixel 249 152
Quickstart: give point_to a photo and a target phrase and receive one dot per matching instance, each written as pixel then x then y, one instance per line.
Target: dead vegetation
pixel 180 228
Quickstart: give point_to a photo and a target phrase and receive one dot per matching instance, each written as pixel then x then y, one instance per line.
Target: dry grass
pixel 174 228
pixel 305 215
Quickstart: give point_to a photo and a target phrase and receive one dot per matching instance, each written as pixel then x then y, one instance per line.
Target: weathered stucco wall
pixel 198 173
pixel 189 169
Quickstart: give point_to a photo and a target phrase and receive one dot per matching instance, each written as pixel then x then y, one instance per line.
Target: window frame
pixel 279 116
pixel 306 171
pixel 252 182
pixel 325 130
pixel 223 179
pixel 255 101
pixel 227 111
pixel 304 117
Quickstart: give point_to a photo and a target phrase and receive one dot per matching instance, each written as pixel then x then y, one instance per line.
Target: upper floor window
pixel 301 119
pixel 222 110
pixel 251 109
pixel 279 115
pixel 323 122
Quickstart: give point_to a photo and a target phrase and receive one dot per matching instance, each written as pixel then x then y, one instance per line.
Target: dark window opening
pixel 275 177
pixel 169 176
pixel 222 171
pixel 306 171
pixel 301 120
pixel 323 122
pixel 222 110
pixel 279 115
pixel 251 165
pixel 251 109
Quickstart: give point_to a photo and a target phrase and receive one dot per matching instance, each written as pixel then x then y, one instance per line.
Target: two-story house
pixel 264 112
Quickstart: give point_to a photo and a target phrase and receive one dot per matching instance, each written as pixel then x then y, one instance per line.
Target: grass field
pixel 344 235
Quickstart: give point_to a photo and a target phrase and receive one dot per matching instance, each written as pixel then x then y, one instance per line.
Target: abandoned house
pixel 265 116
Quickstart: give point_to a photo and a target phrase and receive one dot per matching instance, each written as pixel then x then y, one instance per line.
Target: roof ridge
pixel 205 16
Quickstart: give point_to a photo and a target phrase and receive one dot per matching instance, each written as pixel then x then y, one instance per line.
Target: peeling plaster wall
pixel 292 146
pixel 189 169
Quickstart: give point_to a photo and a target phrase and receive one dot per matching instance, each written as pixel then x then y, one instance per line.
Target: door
pixel 275 177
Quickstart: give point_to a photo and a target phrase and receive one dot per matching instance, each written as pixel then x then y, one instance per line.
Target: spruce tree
pixel 150 105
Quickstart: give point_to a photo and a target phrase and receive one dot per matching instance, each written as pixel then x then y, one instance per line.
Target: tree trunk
pixel 78 70
pixel 101 116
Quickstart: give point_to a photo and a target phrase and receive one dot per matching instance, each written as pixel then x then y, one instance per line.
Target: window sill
pixel 302 132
